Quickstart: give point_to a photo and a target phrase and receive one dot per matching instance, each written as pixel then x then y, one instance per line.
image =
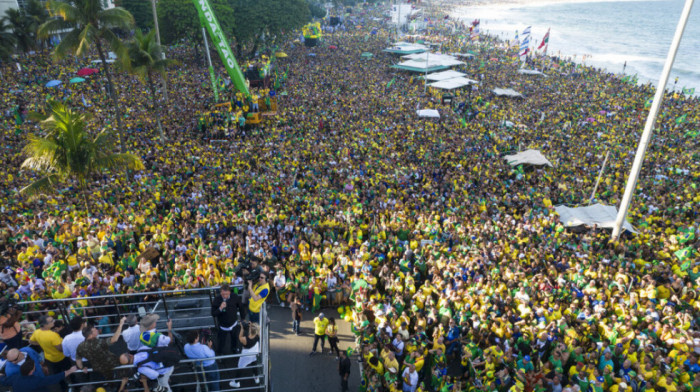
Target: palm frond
pixel 119 161
pixel 41 186
pixel 42 154
pixel 117 46
pixel 65 10
pixel 51 26
pixel 116 17
pixel 85 39
pixel 70 41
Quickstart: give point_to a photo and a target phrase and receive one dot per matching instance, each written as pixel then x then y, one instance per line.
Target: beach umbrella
pixel 77 80
pixel 53 83
pixel 281 55
pixel 87 71
pixel 366 54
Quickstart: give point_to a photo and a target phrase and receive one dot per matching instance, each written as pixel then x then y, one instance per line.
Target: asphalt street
pixel 292 369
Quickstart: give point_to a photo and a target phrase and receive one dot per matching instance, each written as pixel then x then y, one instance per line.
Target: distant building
pixel 6 5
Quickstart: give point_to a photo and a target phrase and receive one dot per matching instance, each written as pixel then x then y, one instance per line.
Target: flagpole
pixel 600 175
pixel 162 52
pixel 651 120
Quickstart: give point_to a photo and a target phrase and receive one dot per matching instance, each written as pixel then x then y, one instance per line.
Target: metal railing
pixel 178 305
pixel 187 310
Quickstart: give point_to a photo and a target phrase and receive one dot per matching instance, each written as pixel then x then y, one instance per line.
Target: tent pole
pixel 651 119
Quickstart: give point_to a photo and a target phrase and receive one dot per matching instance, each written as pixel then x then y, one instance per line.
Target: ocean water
pixel 608 33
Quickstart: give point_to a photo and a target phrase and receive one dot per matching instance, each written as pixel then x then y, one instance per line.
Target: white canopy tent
pixel 404 48
pixel 444 75
pixel 528 157
pixel 430 113
pixel 531 72
pixel 451 84
pixel 597 214
pixel 433 57
pixel 508 92
pixel 465 55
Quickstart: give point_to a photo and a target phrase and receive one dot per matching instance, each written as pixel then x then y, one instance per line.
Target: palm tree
pixel 90 24
pixel 69 151
pixel 21 28
pixel 37 14
pixel 147 62
pixel 7 41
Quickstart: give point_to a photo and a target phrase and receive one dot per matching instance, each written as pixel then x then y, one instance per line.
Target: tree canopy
pixel 182 21
pixel 271 17
pixel 141 10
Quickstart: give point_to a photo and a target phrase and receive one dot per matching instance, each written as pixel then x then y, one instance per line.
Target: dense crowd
pixel 456 272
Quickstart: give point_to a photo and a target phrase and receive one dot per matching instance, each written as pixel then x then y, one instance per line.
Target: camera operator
pixel 226 308
pixel 249 338
pixel 259 289
pixel 197 348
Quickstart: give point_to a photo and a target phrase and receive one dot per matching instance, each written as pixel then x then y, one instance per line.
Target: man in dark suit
pixel 226 308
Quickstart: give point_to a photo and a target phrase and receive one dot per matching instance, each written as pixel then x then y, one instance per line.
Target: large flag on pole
pixel 527 31
pixel 545 41
pixel 525 46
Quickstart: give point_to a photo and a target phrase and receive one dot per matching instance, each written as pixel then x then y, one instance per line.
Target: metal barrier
pixel 188 309
pixel 185 307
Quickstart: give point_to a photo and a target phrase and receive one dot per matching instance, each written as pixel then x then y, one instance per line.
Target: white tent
pixel 530 72
pixel 465 55
pixel 449 74
pixel 597 214
pixel 406 48
pixel 432 113
pixel 528 157
pixel 509 92
pixel 433 57
pixel 453 83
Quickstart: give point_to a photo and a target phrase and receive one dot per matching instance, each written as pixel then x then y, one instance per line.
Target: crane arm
pixel 209 21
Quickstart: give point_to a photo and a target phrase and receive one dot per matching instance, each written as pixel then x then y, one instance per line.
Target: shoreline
pixel 499 20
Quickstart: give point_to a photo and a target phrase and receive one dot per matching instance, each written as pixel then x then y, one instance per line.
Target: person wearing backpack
pixel 154 364
pixel 149 337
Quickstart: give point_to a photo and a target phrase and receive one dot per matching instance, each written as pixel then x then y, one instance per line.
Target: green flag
pixel 680 120
pixel 688 91
pixel 686 235
pixel 694 133
pixel 648 103
pixel 391 82
pixel 684 253
pixel 464 123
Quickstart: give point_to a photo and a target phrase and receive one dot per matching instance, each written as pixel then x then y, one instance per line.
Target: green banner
pixel 208 19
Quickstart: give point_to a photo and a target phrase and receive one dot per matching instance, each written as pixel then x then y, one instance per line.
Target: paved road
pixel 292 368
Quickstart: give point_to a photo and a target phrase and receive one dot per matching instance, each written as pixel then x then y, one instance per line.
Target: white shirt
pixel 412 377
pixel 71 342
pixel 150 369
pixel 280 280
pixel 131 337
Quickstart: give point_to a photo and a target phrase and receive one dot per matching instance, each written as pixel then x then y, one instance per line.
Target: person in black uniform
pixel 226 309
pixel 344 370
